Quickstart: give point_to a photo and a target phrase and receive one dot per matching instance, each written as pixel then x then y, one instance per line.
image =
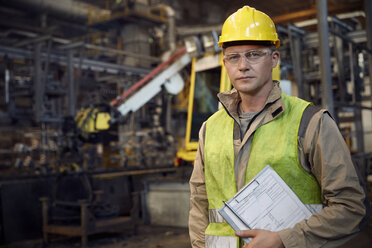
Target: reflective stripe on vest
pixel 274 143
pixel 212 241
pixel 214 216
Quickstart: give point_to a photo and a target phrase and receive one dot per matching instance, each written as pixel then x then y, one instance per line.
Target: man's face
pixel 251 76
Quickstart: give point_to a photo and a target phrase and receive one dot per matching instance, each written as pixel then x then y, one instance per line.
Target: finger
pixel 246 233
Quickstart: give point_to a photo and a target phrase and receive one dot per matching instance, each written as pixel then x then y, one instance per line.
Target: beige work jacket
pixel 322 152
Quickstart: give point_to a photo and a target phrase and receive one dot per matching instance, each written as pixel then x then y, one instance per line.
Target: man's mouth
pixel 245 77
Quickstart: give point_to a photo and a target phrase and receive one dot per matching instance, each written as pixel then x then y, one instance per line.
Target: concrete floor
pixel 160 237
pixel 169 237
pixel 147 237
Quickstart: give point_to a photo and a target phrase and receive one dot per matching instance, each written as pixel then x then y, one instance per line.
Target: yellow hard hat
pixel 249 24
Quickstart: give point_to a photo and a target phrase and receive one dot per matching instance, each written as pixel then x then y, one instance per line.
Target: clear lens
pixel 251 56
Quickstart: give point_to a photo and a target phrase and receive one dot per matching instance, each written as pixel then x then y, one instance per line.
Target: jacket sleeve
pixel 198 216
pixel 346 208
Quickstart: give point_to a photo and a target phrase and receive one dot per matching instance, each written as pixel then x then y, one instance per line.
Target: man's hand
pixel 261 238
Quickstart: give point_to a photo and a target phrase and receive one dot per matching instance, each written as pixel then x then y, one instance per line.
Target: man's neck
pixel 255 102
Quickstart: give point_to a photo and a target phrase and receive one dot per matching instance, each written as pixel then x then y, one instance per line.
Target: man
pixel 258 126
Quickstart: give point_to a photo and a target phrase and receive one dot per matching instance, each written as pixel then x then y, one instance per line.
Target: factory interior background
pixel 101 102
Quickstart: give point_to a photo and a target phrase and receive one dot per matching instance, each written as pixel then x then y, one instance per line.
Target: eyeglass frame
pixel 243 54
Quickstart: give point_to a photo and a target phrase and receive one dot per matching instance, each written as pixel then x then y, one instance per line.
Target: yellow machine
pixel 92 120
pixel 208 78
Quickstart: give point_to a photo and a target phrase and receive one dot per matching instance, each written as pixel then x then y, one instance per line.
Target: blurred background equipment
pixel 101 102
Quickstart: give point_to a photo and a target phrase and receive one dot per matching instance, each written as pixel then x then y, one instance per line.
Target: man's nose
pixel 244 64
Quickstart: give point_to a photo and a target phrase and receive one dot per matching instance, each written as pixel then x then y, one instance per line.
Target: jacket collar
pixel 274 104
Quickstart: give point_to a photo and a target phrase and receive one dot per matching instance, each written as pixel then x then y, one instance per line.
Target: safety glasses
pixel 251 56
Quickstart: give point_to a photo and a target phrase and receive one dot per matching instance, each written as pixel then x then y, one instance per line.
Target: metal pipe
pixel 171 16
pixel 368 11
pixel 108 50
pixel 32 40
pixel 7 79
pixel 126 53
pixel 296 48
pixel 87 64
pixel 37 84
pixel 171 28
pixel 324 55
pixel 357 98
pixel 339 54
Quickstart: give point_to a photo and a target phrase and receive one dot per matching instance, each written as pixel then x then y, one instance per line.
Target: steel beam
pixel 324 55
pixel 338 48
pixel 7 84
pixel 295 36
pixel 87 64
pixel 71 87
pixel 26 42
pixel 80 44
pixel 357 98
pixel 309 13
pixel 37 83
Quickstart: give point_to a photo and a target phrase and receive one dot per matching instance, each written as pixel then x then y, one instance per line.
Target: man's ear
pixel 275 58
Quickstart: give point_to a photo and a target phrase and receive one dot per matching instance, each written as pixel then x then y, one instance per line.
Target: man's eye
pixel 254 54
pixel 234 57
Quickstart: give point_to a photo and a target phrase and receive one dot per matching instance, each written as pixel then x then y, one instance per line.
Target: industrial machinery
pixel 59 69
pixel 208 77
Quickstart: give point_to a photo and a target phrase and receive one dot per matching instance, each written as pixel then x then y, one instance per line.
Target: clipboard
pixel 266 202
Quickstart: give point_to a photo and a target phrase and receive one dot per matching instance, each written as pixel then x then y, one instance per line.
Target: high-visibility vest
pixel 274 143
